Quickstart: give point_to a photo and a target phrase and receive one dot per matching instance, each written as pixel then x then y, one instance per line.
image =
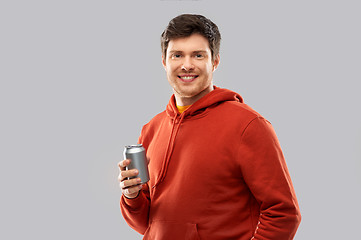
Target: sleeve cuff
pixel 133 204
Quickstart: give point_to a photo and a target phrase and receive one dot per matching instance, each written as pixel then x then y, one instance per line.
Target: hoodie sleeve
pixel 136 210
pixel 265 172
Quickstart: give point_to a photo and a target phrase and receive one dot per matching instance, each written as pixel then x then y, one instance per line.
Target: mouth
pixel 187 78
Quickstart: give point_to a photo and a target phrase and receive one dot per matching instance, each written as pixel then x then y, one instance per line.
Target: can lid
pixel 134 146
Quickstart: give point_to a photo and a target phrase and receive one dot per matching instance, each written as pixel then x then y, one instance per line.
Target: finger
pixel 130 183
pixel 132 190
pixel 127 173
pixel 123 164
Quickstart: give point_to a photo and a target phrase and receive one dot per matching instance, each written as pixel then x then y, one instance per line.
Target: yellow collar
pixel 182 108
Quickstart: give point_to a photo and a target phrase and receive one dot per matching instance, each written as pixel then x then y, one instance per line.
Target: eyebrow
pixel 179 51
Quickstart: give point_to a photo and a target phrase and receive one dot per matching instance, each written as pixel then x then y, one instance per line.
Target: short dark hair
pixel 187 24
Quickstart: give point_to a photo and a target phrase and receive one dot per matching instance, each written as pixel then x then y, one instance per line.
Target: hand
pixel 130 188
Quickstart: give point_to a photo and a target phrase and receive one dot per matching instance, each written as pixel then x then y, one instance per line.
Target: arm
pixel 265 172
pixel 136 210
pixel 135 201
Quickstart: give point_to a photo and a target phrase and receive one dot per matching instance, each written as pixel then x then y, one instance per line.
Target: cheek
pixel 171 68
pixel 171 74
pixel 208 69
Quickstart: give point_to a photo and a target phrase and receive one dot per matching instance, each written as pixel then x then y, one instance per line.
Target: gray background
pixel 80 78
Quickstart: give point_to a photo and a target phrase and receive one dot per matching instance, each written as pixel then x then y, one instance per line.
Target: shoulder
pixel 234 118
pixel 253 121
pixel 151 127
pixel 238 111
pixel 156 119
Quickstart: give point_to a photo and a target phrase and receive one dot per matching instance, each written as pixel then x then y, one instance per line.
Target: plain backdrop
pixel 80 78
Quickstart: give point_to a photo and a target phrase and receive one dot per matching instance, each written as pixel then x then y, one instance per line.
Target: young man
pixel 216 168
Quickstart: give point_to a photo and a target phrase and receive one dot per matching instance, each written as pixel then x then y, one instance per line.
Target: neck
pixel 186 101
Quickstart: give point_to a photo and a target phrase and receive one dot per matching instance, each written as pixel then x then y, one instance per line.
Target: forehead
pixel 194 42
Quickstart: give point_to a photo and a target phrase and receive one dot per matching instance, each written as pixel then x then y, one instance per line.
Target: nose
pixel 187 64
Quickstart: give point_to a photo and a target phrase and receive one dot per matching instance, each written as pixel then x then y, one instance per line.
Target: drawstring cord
pixel 169 151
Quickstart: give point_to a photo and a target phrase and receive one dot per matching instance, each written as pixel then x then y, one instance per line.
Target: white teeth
pixel 187 78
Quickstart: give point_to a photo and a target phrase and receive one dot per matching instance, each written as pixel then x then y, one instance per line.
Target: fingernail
pixel 135 171
pixel 139 180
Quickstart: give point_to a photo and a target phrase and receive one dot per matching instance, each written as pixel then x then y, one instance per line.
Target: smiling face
pixel 189 66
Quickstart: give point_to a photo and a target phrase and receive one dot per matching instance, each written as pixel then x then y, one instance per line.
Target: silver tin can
pixel 138 160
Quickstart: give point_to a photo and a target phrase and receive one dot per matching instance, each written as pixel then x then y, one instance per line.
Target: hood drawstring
pixel 169 150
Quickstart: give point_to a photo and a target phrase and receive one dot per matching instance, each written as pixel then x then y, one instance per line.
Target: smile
pixel 188 78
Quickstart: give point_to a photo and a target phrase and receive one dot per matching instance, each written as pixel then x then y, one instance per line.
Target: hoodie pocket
pixel 165 230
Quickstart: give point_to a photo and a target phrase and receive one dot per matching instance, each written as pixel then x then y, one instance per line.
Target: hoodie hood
pixel 217 96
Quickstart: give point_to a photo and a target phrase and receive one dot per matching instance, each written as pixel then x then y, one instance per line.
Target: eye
pixel 175 55
pixel 199 55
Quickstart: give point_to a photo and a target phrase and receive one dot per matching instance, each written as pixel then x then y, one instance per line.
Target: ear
pixel 216 62
pixel 163 61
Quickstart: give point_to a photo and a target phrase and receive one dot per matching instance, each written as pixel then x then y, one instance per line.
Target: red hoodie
pixel 216 172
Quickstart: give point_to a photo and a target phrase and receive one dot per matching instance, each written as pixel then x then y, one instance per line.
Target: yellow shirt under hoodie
pixel 181 109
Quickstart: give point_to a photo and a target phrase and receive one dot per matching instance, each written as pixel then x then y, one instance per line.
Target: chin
pixel 188 93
